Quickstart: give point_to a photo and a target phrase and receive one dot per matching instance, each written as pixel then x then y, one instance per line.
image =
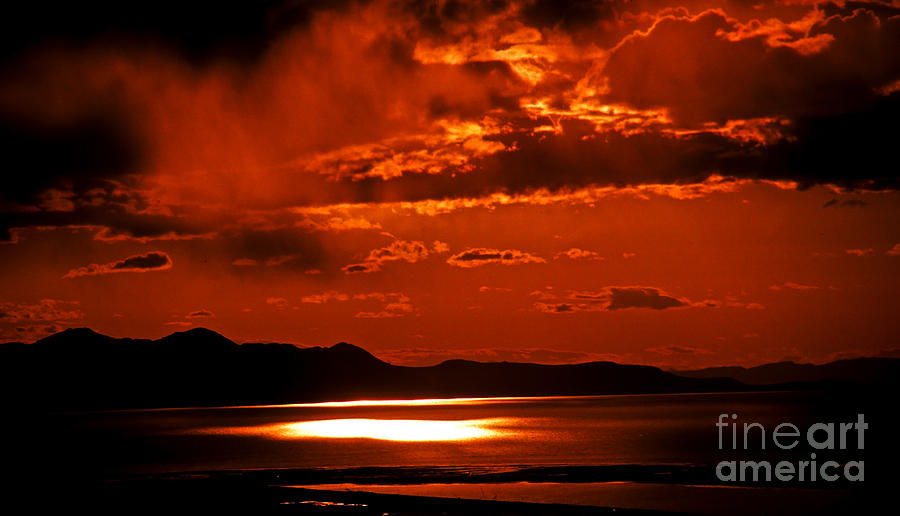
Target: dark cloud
pixel 569 15
pixel 109 223
pixel 609 299
pixel 112 209
pixel 145 261
pixel 559 307
pixel 78 153
pixel 641 297
pixel 482 256
pixel 578 157
pixel 287 247
pixel 153 261
pixel 714 68
pixel 107 118
pixel 677 350
pixel 361 268
pixel 59 128
pixel 581 156
pixel 200 314
pixel 845 202
pixel 201 30
pixel 447 17
pixel 812 100
pixel 883 10
pixel 852 149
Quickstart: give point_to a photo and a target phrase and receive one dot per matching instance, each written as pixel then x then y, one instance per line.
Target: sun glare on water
pixel 384 429
pixel 392 429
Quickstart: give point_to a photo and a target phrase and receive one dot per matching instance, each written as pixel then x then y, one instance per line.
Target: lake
pixel 475 436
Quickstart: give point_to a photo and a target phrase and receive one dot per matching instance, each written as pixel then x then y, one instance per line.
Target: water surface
pixel 587 430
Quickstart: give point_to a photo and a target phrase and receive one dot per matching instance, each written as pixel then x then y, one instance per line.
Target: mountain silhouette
pixel 82 369
pixel 873 371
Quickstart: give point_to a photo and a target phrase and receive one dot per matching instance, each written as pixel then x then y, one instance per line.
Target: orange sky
pixel 677 184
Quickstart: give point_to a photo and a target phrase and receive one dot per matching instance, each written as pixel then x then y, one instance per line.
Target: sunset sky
pixel 666 182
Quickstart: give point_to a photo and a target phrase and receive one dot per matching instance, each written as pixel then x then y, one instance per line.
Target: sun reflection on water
pixel 419 430
pixel 393 429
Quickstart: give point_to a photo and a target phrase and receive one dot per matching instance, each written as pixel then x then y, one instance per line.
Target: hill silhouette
pixel 874 371
pixel 82 369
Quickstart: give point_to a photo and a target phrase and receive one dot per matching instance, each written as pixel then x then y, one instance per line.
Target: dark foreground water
pixel 674 437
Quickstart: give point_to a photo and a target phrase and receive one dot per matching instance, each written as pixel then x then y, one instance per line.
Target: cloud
pixel 641 297
pixel 398 250
pixel 200 314
pixel 711 67
pixel 476 257
pixel 361 268
pixel 578 254
pixel 241 32
pixel 677 350
pixel 319 299
pixel 394 304
pixel 282 259
pixel 894 251
pixel 31 321
pixel 793 286
pixel 258 241
pixel 338 224
pixel 399 308
pixel 43 310
pixel 278 302
pixel 845 202
pixel 460 104
pixel 113 212
pixel 408 251
pixel 733 303
pixel 153 261
pixel 557 308
pixel 611 299
pixel 485 288
pixel 439 247
pixel 860 252
pixel 89 146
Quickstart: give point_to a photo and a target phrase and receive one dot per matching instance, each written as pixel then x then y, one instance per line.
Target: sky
pixel 666 182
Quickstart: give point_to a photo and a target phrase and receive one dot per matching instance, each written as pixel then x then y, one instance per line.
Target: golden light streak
pixel 450 144
pixel 544 197
pixel 605 117
pixel 371 403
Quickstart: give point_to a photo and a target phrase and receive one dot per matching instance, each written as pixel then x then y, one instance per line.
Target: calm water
pixel 597 430
pixel 473 437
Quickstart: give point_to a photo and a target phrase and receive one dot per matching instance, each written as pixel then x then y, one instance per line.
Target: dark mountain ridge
pixel 868 370
pixel 81 369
